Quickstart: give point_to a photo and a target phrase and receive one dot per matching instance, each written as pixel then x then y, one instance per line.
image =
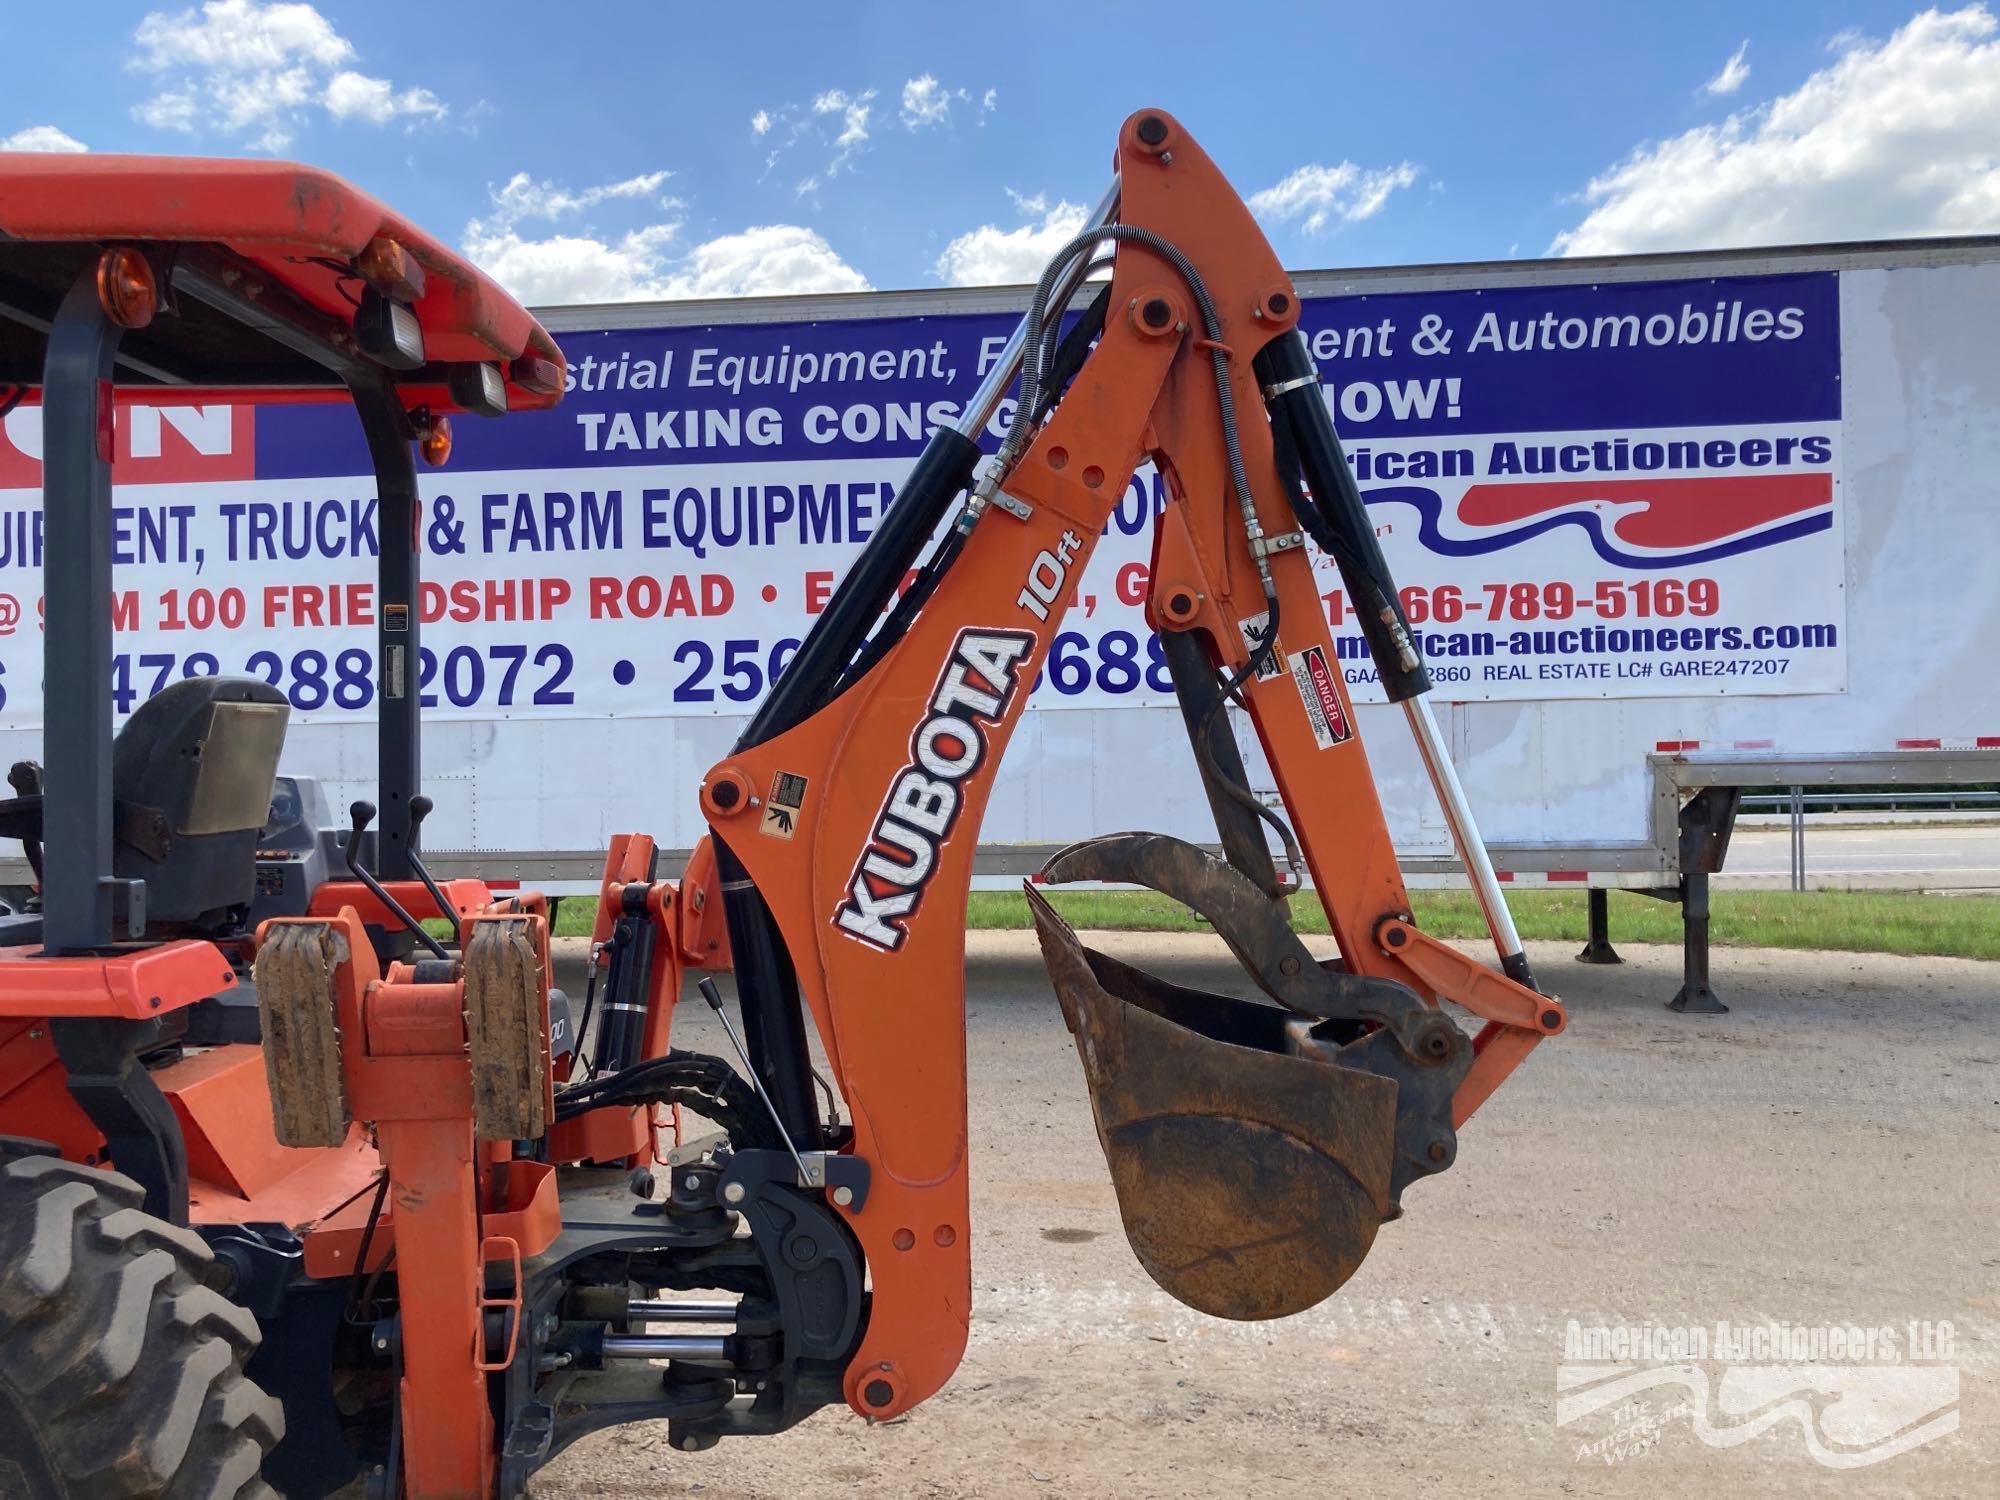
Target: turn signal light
pixel 435 445
pixel 390 269
pixel 126 287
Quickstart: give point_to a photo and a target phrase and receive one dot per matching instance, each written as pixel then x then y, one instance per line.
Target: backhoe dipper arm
pixel 846 819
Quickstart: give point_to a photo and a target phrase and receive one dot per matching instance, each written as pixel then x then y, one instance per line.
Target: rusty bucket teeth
pixel 1251 1179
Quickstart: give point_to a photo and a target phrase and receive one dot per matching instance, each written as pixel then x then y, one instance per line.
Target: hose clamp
pixel 1264 546
pixel 1273 392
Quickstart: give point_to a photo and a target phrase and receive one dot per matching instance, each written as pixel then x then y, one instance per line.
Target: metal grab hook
pixel 363 813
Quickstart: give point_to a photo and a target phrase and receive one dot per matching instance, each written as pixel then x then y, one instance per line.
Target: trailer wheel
pixel 121 1374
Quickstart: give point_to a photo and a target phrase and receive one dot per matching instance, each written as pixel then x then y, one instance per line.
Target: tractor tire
pixel 121 1374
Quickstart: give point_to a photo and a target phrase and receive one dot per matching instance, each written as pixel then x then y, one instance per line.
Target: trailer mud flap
pixel 1251 1179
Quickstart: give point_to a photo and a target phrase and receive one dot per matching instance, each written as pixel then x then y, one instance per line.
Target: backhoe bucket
pixel 1251 1178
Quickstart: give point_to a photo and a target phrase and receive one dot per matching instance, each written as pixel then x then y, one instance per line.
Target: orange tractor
pixel 311 1178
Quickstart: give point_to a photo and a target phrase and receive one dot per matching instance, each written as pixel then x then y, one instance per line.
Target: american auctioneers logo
pixel 1630 523
pixel 1857 1396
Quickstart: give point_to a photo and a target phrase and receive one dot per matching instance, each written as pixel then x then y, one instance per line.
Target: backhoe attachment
pixel 1255 1146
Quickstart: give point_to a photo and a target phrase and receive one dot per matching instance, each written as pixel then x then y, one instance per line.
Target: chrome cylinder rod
pixel 986 400
pixel 641 1310
pixel 1465 833
pixel 664 1346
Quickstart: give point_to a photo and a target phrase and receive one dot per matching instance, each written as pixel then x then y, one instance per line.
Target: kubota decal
pixel 924 799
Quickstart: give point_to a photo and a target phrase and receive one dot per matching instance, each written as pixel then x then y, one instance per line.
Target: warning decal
pixel 781 812
pixel 1320 696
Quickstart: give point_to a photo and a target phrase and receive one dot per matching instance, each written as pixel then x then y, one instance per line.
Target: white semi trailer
pixel 1669 526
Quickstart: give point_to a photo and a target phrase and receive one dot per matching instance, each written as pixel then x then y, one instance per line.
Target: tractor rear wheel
pixel 121 1374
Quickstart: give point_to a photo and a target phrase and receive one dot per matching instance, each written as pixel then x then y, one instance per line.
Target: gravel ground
pixel 1824 1154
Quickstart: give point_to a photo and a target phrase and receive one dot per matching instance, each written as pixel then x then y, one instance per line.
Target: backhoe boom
pixel 846 818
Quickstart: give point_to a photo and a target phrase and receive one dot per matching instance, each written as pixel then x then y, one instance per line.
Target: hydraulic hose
pixel 1022 431
pixel 1334 514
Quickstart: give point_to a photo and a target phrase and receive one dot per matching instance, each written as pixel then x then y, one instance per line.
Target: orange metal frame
pixel 893 1020
pixel 299 226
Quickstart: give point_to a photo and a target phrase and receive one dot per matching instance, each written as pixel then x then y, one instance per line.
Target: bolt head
pixel 1152 130
pixel 843 1196
pixel 735 1192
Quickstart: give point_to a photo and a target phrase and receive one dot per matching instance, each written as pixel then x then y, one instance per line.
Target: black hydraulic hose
pixel 767 990
pixel 1334 515
pixel 1230 787
pixel 905 613
pixel 816 673
pixel 1073 351
pixel 697 1081
pixel 1021 433
pixel 1067 359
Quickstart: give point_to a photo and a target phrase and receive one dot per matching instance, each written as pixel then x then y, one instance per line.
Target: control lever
pixel 420 808
pixel 25 777
pixel 714 998
pixel 363 813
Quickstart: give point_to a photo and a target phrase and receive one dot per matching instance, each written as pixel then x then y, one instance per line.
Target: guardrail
pixel 1798 801
pixel 1817 801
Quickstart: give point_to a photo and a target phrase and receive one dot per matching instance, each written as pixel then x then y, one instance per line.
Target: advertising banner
pixel 1585 491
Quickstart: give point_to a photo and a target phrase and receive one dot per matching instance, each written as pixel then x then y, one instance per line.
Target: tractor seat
pixel 191 776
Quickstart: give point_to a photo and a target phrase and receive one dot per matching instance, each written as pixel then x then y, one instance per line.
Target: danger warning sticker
pixel 1320 695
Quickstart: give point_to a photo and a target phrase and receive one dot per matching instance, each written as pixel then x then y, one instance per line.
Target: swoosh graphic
pixel 1582 1400
pixel 1650 523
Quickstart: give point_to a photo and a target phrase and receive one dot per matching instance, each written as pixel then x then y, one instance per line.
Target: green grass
pixel 1849 921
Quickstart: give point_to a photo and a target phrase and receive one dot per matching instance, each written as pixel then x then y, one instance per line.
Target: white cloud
pixel 41 138
pixel 1730 79
pixel 173 110
pixel 377 101
pixel 1320 195
pixel 254 69
pixel 853 112
pixel 926 102
pixel 522 197
pixel 1898 137
pixel 992 256
pixel 240 36
pixel 640 264
pixel 771 260
pixel 575 267
pixel 760 123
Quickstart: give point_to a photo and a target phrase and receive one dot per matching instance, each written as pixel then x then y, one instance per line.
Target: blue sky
pixel 613 150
